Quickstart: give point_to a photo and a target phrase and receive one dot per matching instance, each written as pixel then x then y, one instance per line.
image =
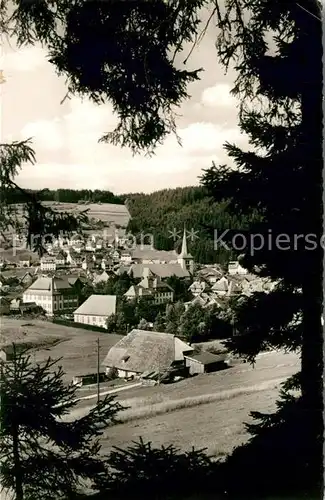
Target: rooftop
pixel 161 270
pixel 98 305
pixel 143 350
pixel 207 358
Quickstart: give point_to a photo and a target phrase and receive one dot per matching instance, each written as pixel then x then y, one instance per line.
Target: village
pixel 52 289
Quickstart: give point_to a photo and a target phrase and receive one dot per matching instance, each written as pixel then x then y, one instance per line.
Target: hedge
pixel 78 325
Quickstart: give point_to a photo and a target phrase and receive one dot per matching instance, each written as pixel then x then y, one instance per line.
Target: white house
pixel 48 263
pixel 54 295
pixel 90 245
pixel 126 257
pixel 235 268
pixel 96 310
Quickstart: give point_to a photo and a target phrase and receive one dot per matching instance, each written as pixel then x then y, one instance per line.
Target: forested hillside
pixel 162 211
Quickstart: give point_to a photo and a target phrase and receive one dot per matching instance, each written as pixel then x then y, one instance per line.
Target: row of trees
pixel 196 323
pixel 15 195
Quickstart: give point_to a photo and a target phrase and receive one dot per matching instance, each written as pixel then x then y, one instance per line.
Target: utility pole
pixel 98 370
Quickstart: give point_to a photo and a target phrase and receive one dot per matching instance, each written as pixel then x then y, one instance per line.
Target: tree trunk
pixel 311 147
pixel 17 465
pixel 312 351
pixel 18 477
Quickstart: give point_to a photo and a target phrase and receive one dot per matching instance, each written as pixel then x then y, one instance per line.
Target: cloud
pixel 24 59
pixel 207 137
pixel 218 96
pixel 46 134
pixel 78 160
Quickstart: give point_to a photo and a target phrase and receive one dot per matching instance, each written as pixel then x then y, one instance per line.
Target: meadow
pixel 77 347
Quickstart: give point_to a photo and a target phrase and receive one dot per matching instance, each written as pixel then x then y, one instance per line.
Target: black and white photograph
pixel 162 250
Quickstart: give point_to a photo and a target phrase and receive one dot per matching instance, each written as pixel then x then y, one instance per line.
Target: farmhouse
pixel 204 362
pixel 96 310
pixel 144 351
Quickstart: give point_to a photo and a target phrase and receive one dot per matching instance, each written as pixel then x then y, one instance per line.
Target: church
pixel 180 265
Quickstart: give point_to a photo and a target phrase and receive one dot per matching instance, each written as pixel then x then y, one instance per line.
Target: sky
pixel 65 136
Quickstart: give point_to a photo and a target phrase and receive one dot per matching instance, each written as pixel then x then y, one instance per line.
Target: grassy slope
pixel 204 411
pixel 76 346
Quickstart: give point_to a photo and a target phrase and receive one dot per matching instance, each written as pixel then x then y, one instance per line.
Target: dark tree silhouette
pixel 41 455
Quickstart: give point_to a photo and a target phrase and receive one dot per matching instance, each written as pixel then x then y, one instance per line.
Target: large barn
pixel 144 351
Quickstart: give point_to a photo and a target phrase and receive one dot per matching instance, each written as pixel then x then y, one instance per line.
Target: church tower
pixel 185 259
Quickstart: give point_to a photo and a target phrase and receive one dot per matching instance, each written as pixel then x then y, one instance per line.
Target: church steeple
pixel 184 245
pixel 185 259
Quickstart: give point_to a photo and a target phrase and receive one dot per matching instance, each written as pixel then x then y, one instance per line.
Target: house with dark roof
pixel 96 310
pixel 106 263
pixel 143 351
pixel 7 352
pixel 56 295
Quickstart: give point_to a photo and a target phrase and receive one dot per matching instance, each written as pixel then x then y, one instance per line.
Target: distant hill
pixel 161 212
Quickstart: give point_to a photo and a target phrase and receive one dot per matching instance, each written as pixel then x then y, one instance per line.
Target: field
pixel 206 411
pixel 77 346
pixel 106 212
